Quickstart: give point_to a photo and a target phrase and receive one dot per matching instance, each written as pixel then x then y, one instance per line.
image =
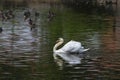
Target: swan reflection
pixel 61 58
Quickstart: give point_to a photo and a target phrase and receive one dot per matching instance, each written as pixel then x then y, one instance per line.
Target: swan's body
pixel 70 47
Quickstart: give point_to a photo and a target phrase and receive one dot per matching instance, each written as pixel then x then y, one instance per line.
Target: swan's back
pixel 72 47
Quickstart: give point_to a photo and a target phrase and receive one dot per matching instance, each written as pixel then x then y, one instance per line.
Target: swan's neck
pixel 56 46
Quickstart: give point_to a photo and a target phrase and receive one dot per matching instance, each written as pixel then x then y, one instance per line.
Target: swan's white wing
pixel 72 46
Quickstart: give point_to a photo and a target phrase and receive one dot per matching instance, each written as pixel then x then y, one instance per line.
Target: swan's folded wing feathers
pixel 71 46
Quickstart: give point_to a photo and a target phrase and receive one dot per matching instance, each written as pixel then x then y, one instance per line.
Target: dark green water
pixel 27 55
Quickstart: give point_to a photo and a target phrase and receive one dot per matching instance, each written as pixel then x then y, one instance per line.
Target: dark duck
pixel 32 24
pixel 1 29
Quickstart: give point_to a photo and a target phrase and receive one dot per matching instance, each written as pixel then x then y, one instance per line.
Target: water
pixel 27 55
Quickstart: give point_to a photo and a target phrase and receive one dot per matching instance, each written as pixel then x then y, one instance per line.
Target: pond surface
pixel 27 55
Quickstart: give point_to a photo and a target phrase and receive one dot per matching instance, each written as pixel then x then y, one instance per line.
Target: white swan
pixel 70 47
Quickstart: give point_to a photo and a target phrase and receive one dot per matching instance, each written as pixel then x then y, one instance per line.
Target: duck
pixel 32 24
pixel 26 14
pixel 1 29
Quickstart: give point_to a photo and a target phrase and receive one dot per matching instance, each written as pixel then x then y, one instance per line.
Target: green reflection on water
pixel 70 24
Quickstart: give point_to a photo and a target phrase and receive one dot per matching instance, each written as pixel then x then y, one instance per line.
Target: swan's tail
pixel 86 49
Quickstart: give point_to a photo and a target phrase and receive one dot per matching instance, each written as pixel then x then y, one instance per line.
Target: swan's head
pixel 60 40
